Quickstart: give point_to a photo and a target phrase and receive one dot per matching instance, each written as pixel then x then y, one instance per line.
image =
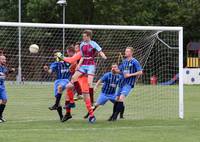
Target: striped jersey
pixel 3 71
pixel 129 66
pixel 88 51
pixel 110 82
pixel 61 69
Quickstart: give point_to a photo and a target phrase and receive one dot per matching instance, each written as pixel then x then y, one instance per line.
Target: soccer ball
pixel 33 48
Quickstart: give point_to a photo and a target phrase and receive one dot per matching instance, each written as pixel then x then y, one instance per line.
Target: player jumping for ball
pixel 3 94
pixel 130 68
pixel 86 65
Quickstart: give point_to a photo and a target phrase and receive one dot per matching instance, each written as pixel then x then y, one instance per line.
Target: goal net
pixel 158 93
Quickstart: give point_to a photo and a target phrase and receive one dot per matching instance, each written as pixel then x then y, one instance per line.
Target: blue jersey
pixel 131 66
pixel 3 71
pixel 61 69
pixel 110 82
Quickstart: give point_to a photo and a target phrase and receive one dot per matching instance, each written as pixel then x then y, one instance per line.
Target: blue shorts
pixel 103 98
pixel 124 90
pixel 3 94
pixel 87 69
pixel 62 82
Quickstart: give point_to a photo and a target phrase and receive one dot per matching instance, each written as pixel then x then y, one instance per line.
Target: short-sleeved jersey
pixel 129 66
pixel 88 50
pixel 110 82
pixel 61 69
pixel 3 71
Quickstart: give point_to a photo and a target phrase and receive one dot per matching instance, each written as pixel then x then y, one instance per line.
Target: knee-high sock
pixel 89 107
pixel 68 110
pixel 70 94
pixel 122 111
pixel 119 108
pixel 77 88
pixel 58 97
pixel 59 110
pixel 114 108
pixel 2 107
pixel 91 92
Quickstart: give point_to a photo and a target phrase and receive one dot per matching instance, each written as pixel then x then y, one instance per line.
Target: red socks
pixel 89 107
pixel 91 92
pixel 70 94
pixel 68 110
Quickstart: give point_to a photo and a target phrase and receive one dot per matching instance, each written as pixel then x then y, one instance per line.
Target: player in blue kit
pixel 130 68
pixel 3 94
pixel 110 82
pixel 63 75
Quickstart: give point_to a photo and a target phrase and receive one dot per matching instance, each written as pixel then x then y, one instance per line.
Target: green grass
pixel 151 116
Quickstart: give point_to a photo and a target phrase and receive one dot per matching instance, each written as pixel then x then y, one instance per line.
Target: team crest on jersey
pixel 64 70
pixel 113 85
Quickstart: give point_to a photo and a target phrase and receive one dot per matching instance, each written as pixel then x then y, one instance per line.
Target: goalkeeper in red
pixel 130 68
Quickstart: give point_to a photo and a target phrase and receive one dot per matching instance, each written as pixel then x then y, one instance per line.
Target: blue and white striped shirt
pixel 110 82
pixel 129 67
pixel 61 69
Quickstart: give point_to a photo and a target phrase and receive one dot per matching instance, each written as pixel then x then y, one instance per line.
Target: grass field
pixel 29 120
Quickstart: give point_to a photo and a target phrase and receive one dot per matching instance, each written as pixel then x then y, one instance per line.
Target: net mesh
pixel 157 51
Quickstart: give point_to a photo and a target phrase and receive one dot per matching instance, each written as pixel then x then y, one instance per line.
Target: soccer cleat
pixel 121 116
pixel 86 116
pixel 110 118
pixel 92 119
pixel 115 116
pixel 66 117
pixel 2 120
pixel 54 107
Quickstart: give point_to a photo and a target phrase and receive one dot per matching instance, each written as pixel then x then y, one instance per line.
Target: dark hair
pixel 71 48
pixel 114 64
pixel 88 33
pixel 77 43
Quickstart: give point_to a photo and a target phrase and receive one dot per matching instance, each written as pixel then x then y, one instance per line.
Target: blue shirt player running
pixel 130 68
pixel 110 82
pixel 3 94
pixel 63 75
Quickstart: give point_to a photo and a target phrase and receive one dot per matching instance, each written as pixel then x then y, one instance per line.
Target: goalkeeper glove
pixel 59 56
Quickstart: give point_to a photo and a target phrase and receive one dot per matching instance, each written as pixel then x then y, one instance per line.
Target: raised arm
pixel 47 69
pixel 102 55
pixel 73 59
pixel 97 84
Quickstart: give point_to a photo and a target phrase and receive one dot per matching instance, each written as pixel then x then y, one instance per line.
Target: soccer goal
pixel 158 93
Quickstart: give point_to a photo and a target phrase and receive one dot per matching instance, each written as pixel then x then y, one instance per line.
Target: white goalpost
pixel 157 94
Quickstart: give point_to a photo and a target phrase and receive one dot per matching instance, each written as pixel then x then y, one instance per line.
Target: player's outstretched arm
pixel 11 70
pixel 73 59
pixel 97 85
pixel 46 69
pixel 133 74
pixel 80 62
pixel 102 55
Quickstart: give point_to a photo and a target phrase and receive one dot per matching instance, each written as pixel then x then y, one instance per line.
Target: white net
pixel 156 93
